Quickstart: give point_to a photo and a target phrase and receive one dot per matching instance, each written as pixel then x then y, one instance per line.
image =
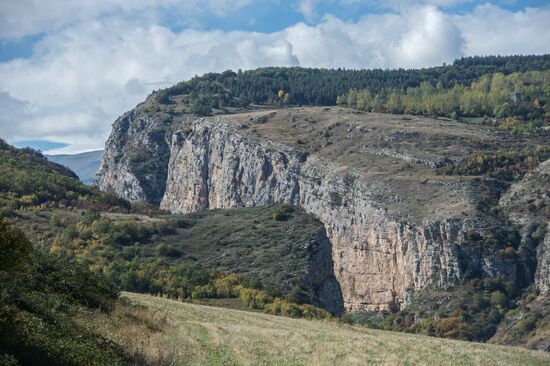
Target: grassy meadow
pixel 203 335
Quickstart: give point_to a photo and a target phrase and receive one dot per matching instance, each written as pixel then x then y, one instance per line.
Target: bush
pixel 498 298
pixel 200 108
pixel 36 321
pixel 282 212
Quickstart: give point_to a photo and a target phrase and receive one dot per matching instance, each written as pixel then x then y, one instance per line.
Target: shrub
pixel 498 298
pixel 36 325
pixel 15 251
pixel 282 212
pixel 528 324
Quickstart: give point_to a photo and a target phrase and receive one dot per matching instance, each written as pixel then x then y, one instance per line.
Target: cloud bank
pixel 83 74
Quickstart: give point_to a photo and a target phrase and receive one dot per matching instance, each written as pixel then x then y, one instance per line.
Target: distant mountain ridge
pixel 85 165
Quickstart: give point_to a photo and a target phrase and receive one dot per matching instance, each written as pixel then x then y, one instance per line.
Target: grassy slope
pixel 249 241
pixel 202 335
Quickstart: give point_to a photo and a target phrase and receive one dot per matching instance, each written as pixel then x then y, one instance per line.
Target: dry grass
pixel 140 332
pixel 202 335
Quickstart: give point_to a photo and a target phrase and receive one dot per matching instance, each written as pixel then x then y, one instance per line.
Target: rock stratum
pixel 394 224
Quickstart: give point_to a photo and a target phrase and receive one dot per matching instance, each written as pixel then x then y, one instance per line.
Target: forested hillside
pixel 242 254
pixel 28 179
pixel 54 311
pixel 301 86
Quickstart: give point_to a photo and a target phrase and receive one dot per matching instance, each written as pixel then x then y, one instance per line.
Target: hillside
pixel 154 253
pixel 408 202
pixel 215 336
pixel 28 179
pixel 54 311
pixel 84 165
pixel 227 91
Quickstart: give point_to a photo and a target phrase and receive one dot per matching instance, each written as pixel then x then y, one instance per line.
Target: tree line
pixel 523 94
pixel 307 86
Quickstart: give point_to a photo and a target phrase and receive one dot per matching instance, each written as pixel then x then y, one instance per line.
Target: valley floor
pixel 203 335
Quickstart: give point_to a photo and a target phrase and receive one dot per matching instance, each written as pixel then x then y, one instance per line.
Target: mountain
pixel 372 180
pixel 84 165
pixel 410 204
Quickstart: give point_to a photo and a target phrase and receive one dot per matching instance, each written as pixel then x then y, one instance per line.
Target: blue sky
pixel 68 68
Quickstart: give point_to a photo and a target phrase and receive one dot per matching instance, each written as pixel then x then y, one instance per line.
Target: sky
pixel 69 68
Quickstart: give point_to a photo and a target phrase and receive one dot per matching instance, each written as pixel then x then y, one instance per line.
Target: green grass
pixel 203 335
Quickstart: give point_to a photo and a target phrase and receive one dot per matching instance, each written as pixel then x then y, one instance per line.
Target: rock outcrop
pixel 134 166
pixel 528 205
pixel 391 232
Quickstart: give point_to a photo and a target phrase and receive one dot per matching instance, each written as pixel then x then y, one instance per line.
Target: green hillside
pixel 202 335
pixel 306 86
pixel 54 311
pixel 28 179
pixel 287 255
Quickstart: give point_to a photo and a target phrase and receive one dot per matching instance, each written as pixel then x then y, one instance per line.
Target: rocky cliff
pixel 528 204
pixel 395 226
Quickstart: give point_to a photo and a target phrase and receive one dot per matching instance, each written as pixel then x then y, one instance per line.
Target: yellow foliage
pixel 29 199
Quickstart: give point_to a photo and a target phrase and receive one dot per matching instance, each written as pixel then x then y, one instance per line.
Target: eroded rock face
pixel 381 252
pixel 542 276
pixel 135 161
pixel 527 202
pixel 378 260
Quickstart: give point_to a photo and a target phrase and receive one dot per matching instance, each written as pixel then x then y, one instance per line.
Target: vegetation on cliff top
pixel 301 86
pixel 517 101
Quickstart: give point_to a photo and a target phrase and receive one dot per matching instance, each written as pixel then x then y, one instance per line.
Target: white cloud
pixel 307 8
pixel 27 17
pixel 81 77
pixel 414 38
pixel 490 30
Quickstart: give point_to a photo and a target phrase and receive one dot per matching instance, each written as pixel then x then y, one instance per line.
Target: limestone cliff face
pixel 134 164
pixel 526 202
pixel 542 276
pixel 378 259
pixel 379 255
